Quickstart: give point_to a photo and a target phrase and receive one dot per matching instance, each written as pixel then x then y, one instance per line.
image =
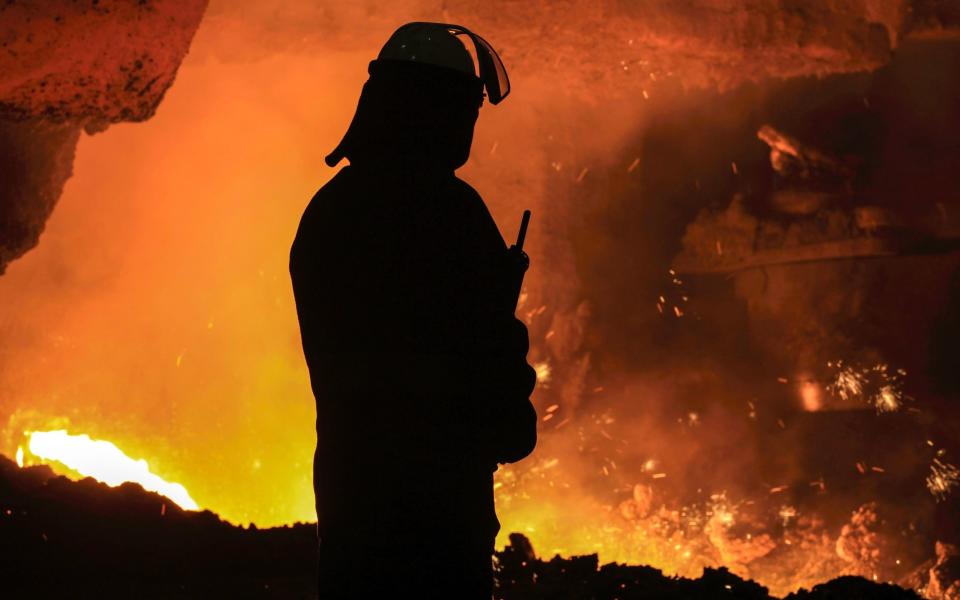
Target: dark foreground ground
pixel 66 539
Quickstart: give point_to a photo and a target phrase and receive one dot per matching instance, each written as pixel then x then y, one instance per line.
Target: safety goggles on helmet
pixel 413 38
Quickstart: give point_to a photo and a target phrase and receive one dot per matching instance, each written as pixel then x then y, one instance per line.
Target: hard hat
pixel 438 44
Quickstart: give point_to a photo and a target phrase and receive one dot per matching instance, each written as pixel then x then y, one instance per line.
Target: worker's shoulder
pixel 480 216
pixel 320 212
pixel 469 197
pixel 335 188
pixel 467 192
pixel 331 197
pixel 464 188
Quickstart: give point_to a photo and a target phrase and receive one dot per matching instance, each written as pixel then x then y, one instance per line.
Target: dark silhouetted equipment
pixel 519 258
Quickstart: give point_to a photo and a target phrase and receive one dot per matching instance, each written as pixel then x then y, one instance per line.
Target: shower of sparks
pixel 878 386
pixel 942 479
pixel 848 383
pixel 887 400
pixel 104 462
pixel 721 510
pixel 718 528
pixel 674 298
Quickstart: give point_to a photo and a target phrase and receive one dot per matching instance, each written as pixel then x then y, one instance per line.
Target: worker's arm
pixel 508 420
pixel 505 380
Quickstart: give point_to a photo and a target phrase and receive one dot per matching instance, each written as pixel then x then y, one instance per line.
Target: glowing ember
pixel 103 461
pixel 543 372
pixel 787 513
pixel 811 396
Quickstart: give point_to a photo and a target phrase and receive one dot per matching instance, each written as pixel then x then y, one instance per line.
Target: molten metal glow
pixel 810 393
pixel 104 462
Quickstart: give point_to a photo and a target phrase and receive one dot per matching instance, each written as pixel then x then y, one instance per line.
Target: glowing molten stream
pixel 104 462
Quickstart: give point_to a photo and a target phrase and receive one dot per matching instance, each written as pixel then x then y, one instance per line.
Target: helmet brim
pixel 490 68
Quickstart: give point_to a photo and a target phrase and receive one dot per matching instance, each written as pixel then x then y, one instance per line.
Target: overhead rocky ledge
pixel 67 66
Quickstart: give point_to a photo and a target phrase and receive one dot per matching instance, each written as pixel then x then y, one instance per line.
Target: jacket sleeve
pixel 508 418
pixel 502 377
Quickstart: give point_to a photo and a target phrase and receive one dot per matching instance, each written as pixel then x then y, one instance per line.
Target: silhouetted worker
pixel 403 283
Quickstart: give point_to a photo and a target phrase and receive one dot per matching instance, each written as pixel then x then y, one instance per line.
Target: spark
pixel 887 400
pixel 786 513
pixel 876 385
pixel 722 512
pixel 104 462
pixel 20 456
pixel 942 479
pixel 523 299
pixel 848 384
